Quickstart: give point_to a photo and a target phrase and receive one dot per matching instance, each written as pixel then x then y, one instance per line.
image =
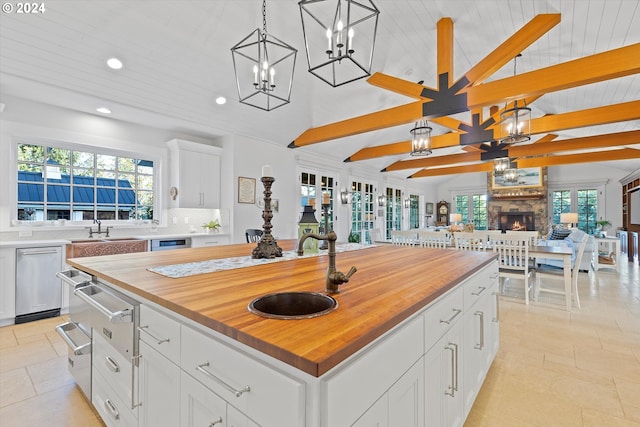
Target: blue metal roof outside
pixel 31 189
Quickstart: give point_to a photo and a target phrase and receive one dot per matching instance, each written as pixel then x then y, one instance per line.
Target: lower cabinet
pixel 401 405
pixel 443 379
pixel 7 285
pixel 159 380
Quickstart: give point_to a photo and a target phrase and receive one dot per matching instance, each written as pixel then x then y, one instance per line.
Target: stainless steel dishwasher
pixel 38 289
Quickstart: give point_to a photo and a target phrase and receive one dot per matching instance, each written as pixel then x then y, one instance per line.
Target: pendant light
pixel 263 66
pixel 515 123
pixel 421 139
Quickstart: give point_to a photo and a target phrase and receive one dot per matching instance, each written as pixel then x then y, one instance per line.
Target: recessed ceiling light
pixel 114 63
pixel 103 110
pixel 221 100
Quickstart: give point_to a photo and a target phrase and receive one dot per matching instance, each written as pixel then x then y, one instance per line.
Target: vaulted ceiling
pixel 578 72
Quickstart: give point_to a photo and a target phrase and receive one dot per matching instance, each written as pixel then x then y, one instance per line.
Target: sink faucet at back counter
pixel 91 232
pixel 334 277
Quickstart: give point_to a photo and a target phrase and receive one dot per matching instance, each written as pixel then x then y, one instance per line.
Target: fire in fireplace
pixel 519 221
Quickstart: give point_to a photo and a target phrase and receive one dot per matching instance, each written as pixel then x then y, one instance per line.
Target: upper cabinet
pixel 195 175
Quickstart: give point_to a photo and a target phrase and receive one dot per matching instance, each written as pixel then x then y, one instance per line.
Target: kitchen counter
pixel 391 284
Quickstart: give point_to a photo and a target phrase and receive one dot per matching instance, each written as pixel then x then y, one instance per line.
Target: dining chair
pixel 532 235
pixel 513 262
pixel 465 241
pixel 253 235
pixel 403 238
pixel 433 239
pixel 549 272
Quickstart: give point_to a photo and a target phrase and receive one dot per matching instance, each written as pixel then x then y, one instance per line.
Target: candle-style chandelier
pixel 255 61
pixel 515 123
pixel 421 139
pixel 339 38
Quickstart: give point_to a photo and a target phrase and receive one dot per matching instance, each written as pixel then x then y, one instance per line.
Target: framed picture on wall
pixel 428 209
pixel 246 190
pixel 526 178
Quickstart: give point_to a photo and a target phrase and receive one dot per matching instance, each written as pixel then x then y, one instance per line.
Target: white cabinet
pixel 200 406
pixel 195 172
pixel 7 285
pixel 402 405
pixel 443 380
pixel 159 381
pixel 209 240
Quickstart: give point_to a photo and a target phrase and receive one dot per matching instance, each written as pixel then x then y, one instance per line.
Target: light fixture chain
pixel 264 18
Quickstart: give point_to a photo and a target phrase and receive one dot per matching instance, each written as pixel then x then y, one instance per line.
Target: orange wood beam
pixel 547 138
pixel 425 162
pixel 403 147
pixel 379 120
pixel 598 156
pixel 593 116
pixel 480 167
pixel 615 63
pixel 515 44
pixel 584 143
pixel 397 85
pixel 447 122
pixel 445 49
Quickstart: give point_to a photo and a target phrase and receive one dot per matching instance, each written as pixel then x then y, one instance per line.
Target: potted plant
pixel 212 225
pixel 353 237
pixel 602 225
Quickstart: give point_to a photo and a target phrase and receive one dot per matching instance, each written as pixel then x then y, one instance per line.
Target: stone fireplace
pixel 518 221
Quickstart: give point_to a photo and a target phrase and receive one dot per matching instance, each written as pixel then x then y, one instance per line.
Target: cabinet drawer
pixel 440 316
pixel 112 409
pixel 114 367
pixel 160 332
pixel 479 284
pixel 264 394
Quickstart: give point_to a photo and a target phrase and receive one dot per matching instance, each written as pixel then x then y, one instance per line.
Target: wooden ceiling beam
pixel 390 117
pixel 445 49
pixel 515 44
pixel 425 162
pixel 597 156
pixel 480 167
pixel 403 147
pixel 584 143
pixel 612 64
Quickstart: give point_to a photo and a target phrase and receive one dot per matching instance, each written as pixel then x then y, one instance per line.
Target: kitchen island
pixel 337 369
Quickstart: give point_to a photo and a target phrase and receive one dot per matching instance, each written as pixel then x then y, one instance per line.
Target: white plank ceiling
pixel 177 61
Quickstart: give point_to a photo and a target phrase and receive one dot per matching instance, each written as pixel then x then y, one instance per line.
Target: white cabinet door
pixel 199 180
pixel 159 389
pixel 443 380
pixel 406 397
pixel 199 405
pixel 236 418
pixel 7 285
pixel 376 416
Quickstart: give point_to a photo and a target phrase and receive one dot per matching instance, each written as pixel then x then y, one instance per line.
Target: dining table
pixel 561 253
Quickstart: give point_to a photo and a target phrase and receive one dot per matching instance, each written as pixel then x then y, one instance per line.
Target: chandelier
pixel 501 165
pixel 255 61
pixel 421 139
pixel 339 38
pixel 515 123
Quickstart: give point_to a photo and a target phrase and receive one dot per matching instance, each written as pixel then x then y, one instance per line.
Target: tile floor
pixel 554 369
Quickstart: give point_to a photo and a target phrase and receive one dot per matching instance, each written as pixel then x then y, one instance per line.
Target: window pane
pixel 59 156
pixel 83 160
pixel 106 162
pixel 126 164
pixel 30 153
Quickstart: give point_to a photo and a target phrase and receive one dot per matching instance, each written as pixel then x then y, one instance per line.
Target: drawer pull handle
pixel 480 345
pixel 497 318
pixel 158 340
pixel 481 289
pixel 457 312
pixel 214 422
pixel 236 393
pixel 112 409
pixel 112 364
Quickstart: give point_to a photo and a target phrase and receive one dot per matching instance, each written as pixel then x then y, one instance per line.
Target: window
pixel 584 201
pixel 76 185
pixel 414 211
pixel 473 208
pixel 393 210
pixel 362 204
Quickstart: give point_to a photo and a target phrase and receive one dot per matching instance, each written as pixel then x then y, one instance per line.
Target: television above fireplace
pixel 518 221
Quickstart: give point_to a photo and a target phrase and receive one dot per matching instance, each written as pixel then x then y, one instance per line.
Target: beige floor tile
pixel 593 418
pixel 608 363
pixel 15 386
pixel 7 338
pixel 26 354
pixel 50 375
pixel 61 408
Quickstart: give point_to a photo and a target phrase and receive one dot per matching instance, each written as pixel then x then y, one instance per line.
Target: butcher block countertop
pixel 391 284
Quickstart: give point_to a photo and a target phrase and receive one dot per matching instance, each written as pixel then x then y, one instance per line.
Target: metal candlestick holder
pixel 267 246
pixel 325 212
